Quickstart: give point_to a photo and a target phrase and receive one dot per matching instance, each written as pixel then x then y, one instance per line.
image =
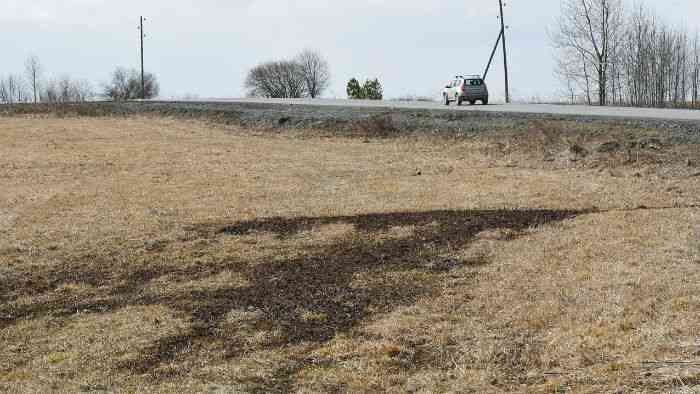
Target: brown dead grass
pixel 154 255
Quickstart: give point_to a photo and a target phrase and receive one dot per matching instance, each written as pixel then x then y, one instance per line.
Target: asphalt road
pixel 576 110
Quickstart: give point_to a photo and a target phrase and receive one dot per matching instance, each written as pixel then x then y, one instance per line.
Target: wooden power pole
pixel 505 51
pixel 143 81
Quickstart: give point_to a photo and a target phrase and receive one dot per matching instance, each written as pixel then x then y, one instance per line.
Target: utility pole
pixel 505 52
pixel 143 81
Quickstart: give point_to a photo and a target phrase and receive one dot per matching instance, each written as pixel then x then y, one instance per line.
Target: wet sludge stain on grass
pixel 307 299
pixel 321 282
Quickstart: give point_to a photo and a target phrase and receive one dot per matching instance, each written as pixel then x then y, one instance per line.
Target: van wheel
pixel 445 99
pixel 471 102
pixel 485 101
pixel 458 100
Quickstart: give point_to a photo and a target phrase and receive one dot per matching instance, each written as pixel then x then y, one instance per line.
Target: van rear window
pixel 475 82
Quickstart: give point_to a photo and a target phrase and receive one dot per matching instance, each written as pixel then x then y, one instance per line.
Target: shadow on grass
pixel 339 284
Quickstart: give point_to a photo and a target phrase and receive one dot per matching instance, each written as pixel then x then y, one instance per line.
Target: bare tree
pixel 5 97
pixel 642 62
pixel 33 70
pixel 276 79
pixel 118 88
pixel 126 85
pixel 658 62
pixel 307 75
pixel 568 82
pixel 573 72
pixel 65 89
pixel 12 90
pixel 591 29
pixel 151 87
pixel 315 71
pixel 15 88
pixel 49 92
pixel 82 90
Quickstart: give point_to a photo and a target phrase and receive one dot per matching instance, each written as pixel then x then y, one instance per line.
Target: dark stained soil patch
pixel 324 283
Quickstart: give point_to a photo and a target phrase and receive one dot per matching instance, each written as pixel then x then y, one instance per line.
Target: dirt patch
pixel 321 283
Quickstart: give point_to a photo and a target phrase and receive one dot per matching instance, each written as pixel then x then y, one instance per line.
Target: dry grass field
pixel 153 255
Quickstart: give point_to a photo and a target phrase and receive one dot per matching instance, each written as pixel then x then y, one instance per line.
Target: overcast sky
pixel 205 47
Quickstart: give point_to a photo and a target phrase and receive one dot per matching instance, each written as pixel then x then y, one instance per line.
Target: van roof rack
pixel 469 76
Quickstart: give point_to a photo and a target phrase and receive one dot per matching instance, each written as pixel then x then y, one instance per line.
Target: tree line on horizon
pixel 33 86
pixel 307 75
pixel 609 54
pixel 606 54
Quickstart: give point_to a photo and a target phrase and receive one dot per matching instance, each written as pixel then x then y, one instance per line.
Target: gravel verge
pixel 360 120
